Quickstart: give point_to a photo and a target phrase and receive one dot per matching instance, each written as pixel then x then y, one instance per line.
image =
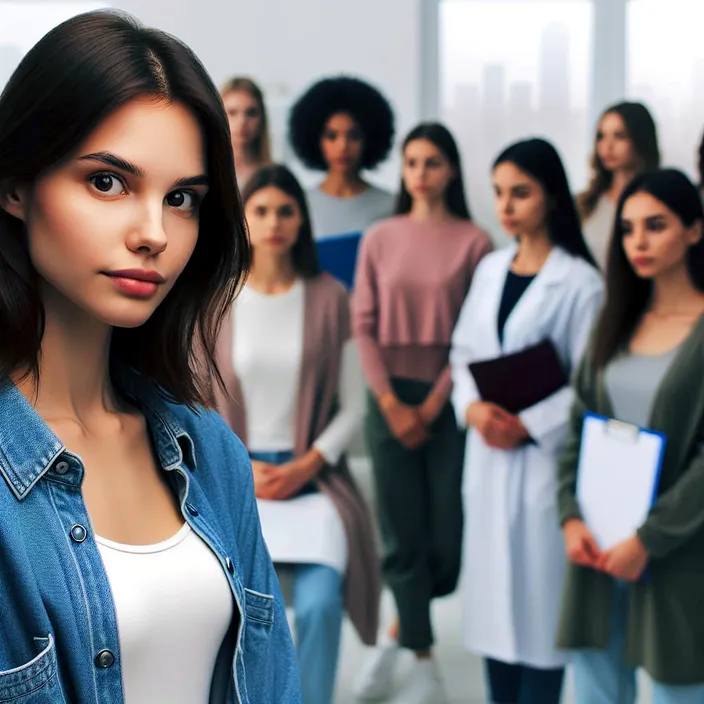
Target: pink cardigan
pixel 326 329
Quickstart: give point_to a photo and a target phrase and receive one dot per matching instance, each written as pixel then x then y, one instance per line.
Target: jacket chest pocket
pixel 37 681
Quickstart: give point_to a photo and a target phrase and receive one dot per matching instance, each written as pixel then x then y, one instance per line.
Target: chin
pixel 126 316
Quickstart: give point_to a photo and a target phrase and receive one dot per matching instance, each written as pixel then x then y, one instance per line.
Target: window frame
pixel 608 70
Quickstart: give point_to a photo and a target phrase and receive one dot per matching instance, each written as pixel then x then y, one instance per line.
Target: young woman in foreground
pixel 646 367
pixel 133 567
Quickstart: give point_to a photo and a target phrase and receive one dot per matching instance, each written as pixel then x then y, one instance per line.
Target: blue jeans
pixel 318 609
pixel 604 676
pixel 520 684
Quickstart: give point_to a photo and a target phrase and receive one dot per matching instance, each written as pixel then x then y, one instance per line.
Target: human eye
pixel 185 201
pixel 656 224
pixel 107 184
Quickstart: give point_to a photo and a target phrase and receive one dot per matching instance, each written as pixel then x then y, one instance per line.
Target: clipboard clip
pixel 625 432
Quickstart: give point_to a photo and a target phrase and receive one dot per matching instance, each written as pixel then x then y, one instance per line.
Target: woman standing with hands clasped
pixel 645 367
pixel 544 287
pixel 413 272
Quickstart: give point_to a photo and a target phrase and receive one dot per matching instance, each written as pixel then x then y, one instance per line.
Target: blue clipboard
pixel 618 477
pixel 337 255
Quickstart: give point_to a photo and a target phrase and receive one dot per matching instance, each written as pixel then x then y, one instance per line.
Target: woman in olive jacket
pixel 646 367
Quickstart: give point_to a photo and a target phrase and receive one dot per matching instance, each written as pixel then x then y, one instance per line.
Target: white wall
pixel 286 44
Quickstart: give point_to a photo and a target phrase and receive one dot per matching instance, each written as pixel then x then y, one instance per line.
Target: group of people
pixel 430 298
pixel 142 282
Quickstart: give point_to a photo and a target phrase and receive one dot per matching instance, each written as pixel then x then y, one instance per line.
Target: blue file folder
pixel 337 255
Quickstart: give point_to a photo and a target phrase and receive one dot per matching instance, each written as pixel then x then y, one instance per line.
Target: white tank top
pixel 174 607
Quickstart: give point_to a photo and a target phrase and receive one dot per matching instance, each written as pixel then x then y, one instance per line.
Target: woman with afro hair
pixel 343 126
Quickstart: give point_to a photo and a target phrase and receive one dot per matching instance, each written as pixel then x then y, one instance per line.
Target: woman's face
pixel 245 117
pixel 426 170
pixel 111 229
pixel 613 144
pixel 655 240
pixel 520 201
pixel 342 143
pixel 274 220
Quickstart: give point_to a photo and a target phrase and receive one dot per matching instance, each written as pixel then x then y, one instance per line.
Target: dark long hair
pixel 304 255
pixel 441 137
pixel 540 160
pixel 627 294
pixel 643 135
pixel 64 88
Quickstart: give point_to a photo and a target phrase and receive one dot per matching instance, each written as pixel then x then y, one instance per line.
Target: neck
pixel 245 163
pixel 271 274
pixel 74 379
pixel 619 181
pixel 533 251
pixel 674 294
pixel 434 210
pixel 343 184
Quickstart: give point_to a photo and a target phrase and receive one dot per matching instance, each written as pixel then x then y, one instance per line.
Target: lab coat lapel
pixel 492 296
pixel 527 310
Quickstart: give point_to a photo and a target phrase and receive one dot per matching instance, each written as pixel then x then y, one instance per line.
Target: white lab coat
pixel 513 547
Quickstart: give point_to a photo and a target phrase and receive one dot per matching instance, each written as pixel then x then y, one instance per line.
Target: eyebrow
pixel 119 163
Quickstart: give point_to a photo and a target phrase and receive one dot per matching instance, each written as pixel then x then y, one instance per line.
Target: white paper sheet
pixel 307 529
pixel 619 467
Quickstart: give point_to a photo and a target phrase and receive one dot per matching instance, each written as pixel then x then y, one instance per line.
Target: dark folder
pixel 520 380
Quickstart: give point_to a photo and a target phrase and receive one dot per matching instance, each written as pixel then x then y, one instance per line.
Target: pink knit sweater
pixel 411 280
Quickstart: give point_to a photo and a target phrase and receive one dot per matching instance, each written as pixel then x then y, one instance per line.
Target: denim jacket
pixel 58 630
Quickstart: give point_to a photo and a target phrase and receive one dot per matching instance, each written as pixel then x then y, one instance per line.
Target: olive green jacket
pixel 665 632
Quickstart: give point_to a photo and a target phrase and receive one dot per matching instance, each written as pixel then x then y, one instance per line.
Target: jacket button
pixel 61 467
pixel 78 533
pixel 192 510
pixel 229 565
pixel 104 659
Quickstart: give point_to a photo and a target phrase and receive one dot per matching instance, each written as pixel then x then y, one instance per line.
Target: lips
pixel 138 275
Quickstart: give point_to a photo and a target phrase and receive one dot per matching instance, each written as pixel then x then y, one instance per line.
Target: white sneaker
pixel 423 686
pixel 376 680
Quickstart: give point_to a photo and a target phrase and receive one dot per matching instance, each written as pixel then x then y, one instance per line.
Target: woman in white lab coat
pixel 545 286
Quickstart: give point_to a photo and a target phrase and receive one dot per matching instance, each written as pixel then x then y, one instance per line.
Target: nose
pixel 148 235
pixel 638 237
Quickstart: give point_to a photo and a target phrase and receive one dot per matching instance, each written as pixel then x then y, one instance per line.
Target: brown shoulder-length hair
pixel 304 254
pixel 642 132
pixel 261 149
pixel 64 88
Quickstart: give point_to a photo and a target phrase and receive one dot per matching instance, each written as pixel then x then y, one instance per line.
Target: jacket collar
pixel 29 448
pixel 555 268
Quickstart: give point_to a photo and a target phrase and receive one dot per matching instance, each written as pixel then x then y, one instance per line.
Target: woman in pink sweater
pixel 413 273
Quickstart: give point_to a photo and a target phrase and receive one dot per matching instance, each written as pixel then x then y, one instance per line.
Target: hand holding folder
pixel 518 381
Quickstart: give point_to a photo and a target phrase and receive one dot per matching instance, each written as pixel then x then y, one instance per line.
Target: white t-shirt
pixel 174 607
pixel 268 350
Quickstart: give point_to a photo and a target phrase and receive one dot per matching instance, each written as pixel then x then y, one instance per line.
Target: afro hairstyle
pixel 341 94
